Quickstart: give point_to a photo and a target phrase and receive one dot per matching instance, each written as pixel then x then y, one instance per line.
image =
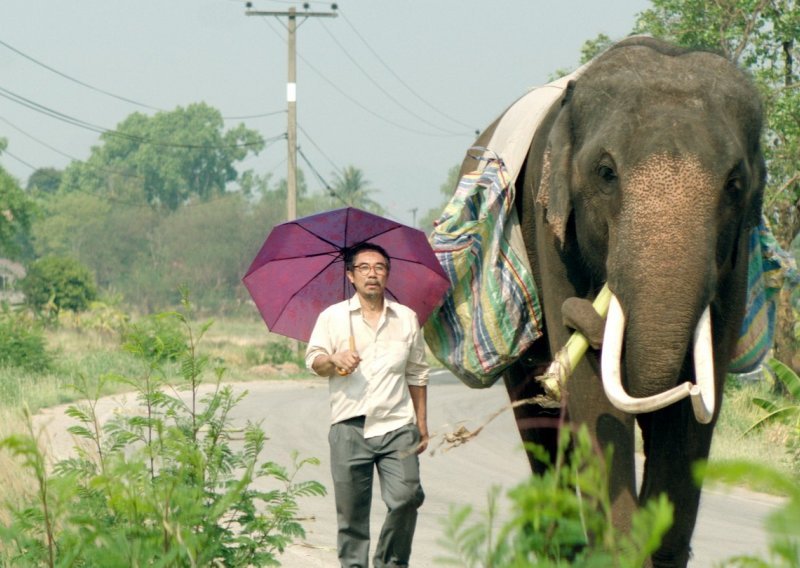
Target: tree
pixel 16 212
pixel 44 182
pixel 353 190
pixel 60 282
pixel 167 159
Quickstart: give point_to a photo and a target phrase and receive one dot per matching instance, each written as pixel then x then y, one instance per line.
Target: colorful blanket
pixel 769 269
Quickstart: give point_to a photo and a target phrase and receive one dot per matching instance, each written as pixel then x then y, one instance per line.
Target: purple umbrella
pixel 300 270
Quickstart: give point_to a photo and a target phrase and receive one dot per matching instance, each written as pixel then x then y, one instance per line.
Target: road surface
pixel 294 415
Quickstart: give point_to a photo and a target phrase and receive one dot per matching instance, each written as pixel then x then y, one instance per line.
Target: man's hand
pixel 342 363
pixel 423 438
pixel 345 361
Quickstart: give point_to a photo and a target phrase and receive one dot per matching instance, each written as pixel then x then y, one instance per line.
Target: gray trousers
pixel 353 462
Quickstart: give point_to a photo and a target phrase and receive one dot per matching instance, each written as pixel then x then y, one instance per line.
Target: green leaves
pixel 56 283
pixel 559 518
pixel 164 484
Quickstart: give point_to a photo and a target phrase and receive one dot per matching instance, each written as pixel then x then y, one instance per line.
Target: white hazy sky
pixel 393 87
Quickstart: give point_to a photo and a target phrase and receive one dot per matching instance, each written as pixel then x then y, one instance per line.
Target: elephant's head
pixel 654 172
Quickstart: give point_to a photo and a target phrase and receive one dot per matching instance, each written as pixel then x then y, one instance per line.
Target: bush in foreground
pixel 166 486
pixel 559 518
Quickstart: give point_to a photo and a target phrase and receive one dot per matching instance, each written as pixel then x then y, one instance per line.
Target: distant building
pixel 10 273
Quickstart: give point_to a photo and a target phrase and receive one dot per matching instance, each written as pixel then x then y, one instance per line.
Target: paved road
pixel 295 417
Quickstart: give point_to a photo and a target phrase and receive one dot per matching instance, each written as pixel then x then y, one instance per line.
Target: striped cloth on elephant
pixel 491 313
pixel 770 268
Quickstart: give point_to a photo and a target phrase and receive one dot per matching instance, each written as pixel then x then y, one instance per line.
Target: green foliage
pixel 787 410
pixel 157 338
pixel 58 283
pixel 99 317
pixel 594 47
pixel 167 159
pixel 16 212
pixel 22 344
pixel 350 189
pixel 560 518
pixel 165 486
pixel 784 538
pixel 44 182
pixel 274 353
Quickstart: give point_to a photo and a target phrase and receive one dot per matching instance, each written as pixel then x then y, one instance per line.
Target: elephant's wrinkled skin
pixel 647 174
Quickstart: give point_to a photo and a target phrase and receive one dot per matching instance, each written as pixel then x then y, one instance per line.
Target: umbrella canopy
pixel 300 270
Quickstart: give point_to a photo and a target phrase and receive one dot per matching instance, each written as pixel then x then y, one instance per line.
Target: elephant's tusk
pixel 612 377
pixel 703 393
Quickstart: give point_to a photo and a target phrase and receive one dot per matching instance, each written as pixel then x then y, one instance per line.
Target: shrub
pixel 274 353
pixel 167 486
pixel 56 283
pixel 157 338
pixel 22 344
pixel 559 518
pixel 99 317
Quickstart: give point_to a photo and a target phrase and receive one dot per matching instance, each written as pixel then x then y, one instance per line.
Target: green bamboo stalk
pixel 570 355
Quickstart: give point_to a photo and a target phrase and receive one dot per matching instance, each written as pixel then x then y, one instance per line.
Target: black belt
pixel 354 421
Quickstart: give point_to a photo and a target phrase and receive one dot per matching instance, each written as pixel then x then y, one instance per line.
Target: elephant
pixel 646 175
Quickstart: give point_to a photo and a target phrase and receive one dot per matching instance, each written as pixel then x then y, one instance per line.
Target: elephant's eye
pixel 734 185
pixel 606 173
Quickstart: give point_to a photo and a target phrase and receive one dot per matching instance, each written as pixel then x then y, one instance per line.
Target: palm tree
pixel 351 189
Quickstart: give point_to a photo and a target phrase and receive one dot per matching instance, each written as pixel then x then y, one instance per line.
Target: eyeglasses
pixel 364 269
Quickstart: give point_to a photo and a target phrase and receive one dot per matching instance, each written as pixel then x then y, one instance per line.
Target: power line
pixel 361 105
pixel 399 79
pixel 370 111
pixel 324 155
pixel 74 80
pixel 42 109
pixel 113 95
pixel 325 184
pixel 384 91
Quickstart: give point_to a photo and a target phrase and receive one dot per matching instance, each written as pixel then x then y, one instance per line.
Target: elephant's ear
pixel 554 187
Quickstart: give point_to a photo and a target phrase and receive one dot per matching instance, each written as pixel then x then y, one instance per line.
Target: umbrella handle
pixel 342 372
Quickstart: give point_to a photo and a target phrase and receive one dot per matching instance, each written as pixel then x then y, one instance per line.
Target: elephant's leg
pixel 673 442
pixel 537 425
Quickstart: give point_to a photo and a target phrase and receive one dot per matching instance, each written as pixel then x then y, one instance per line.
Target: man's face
pixel 369 274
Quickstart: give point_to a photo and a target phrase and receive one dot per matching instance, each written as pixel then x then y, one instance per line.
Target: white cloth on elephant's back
pixel 513 135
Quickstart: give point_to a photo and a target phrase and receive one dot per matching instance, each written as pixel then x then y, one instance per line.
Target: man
pixel 378 394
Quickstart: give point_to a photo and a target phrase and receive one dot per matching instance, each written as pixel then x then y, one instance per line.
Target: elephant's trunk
pixel 701 393
pixel 662 266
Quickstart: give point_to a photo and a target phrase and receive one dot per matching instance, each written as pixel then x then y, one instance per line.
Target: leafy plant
pixel 167 486
pixel 788 412
pixel 560 518
pixel 274 353
pixel 157 338
pixel 22 343
pixel 55 283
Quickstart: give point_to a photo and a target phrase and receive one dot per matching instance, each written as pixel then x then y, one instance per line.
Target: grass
pixel 765 445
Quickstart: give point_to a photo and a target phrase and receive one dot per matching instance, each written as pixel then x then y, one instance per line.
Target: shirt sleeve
pixel 320 342
pixel 417 367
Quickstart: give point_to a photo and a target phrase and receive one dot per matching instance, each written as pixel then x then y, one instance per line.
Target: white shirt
pixel 392 357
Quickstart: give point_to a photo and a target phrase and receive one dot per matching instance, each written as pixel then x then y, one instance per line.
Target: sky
pixel 396 88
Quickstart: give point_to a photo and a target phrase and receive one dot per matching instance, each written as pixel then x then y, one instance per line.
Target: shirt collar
pixel 354 305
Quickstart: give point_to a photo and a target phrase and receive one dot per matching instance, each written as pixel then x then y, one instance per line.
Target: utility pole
pixel 291 94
